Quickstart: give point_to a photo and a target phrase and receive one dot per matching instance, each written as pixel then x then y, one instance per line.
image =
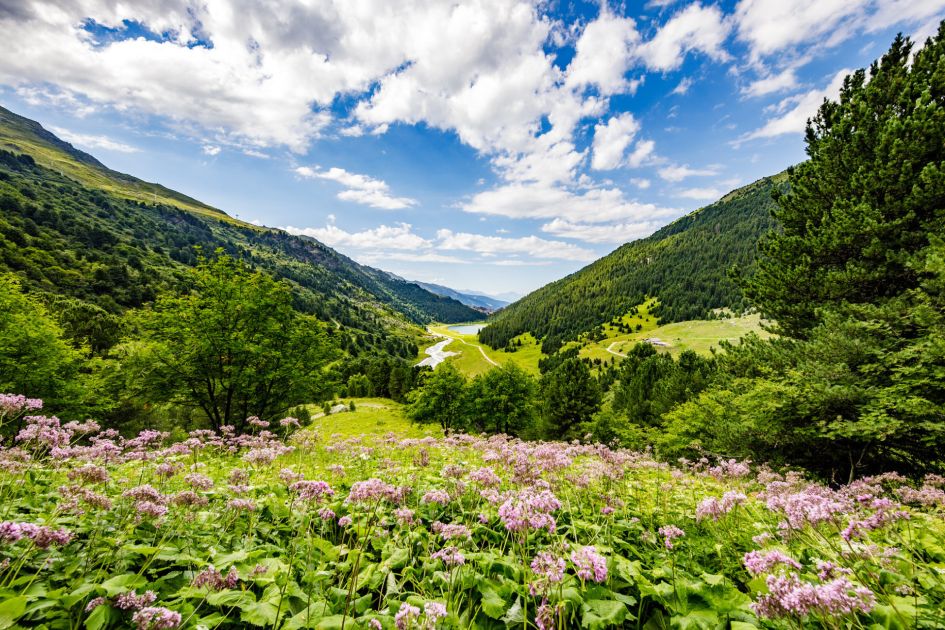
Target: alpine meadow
pixel 589 408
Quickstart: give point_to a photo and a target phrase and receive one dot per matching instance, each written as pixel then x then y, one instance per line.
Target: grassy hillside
pixel 72 228
pixel 608 345
pixel 22 135
pixel 686 265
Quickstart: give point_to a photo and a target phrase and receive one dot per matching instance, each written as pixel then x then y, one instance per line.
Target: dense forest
pixel 692 266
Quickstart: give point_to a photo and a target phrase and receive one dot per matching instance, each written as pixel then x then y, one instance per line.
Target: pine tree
pixel 858 211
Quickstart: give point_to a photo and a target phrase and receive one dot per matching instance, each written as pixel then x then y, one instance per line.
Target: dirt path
pixel 611 350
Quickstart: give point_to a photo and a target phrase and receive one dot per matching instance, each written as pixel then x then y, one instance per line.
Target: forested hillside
pixel 77 232
pixel 686 265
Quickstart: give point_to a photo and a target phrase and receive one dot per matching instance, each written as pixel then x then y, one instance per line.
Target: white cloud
pixel 601 233
pixel 683 87
pixel 211 150
pixel 695 28
pixel 641 153
pixel 769 26
pixel 603 54
pixel 677 172
pixel 498 245
pixel 359 188
pixel 701 194
pixel 797 109
pixel 773 83
pixel 611 140
pixel 384 237
pixel 640 182
pixel 90 141
pixel 596 205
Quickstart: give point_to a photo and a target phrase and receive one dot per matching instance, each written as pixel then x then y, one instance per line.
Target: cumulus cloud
pixel 679 172
pixel 611 140
pixel 772 83
pixel 91 141
pixel 499 245
pixel 399 237
pixel 596 205
pixel 700 194
pixel 211 150
pixel 769 26
pixel 796 110
pixel 601 233
pixel 359 188
pixel 604 53
pixel 695 28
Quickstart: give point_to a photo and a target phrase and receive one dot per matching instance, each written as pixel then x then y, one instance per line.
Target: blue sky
pixel 492 145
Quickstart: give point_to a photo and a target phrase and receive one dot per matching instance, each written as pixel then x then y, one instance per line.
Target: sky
pixel 488 145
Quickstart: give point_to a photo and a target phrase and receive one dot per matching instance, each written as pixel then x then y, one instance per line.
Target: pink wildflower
pixel 156 618
pixel 669 534
pixel 589 564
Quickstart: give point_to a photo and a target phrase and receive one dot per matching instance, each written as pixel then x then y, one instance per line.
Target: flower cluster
pixel 589 564
pixel 156 618
pixel 530 509
pixel 549 569
pixel 451 556
pixel 789 596
pixel 42 536
pixel 758 562
pixel 669 534
pixel 715 508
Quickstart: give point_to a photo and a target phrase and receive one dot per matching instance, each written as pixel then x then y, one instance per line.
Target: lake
pixel 468 329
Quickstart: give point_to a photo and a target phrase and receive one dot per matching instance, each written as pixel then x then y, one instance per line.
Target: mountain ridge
pixel 67 218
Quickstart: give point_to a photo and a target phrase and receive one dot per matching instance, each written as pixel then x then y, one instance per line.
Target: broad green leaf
pixel 260 613
pixel 11 610
pixel 228 597
pixel 598 614
pixel 492 604
pixel 100 617
pixel 123 583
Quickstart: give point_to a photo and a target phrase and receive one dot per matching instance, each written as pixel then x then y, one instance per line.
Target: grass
pixel 701 336
pixel 20 136
pixel 470 360
pixel 371 416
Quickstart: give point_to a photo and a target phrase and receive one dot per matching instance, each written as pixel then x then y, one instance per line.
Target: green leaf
pixel 11 610
pixel 229 597
pixel 123 583
pixel 260 613
pixel 99 617
pixel 600 613
pixel 310 617
pixel 492 604
pixel 514 614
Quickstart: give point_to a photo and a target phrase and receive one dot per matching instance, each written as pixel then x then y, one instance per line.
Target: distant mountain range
pixel 689 266
pixel 479 301
pixel 71 227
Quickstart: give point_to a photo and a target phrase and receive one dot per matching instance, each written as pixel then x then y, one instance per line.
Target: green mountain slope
pixel 71 227
pixel 685 265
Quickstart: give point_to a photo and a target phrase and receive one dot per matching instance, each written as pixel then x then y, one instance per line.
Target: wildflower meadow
pixel 287 528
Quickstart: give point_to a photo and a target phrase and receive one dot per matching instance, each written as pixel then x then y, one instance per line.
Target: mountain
pixel 686 265
pixel 478 301
pixel 72 228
